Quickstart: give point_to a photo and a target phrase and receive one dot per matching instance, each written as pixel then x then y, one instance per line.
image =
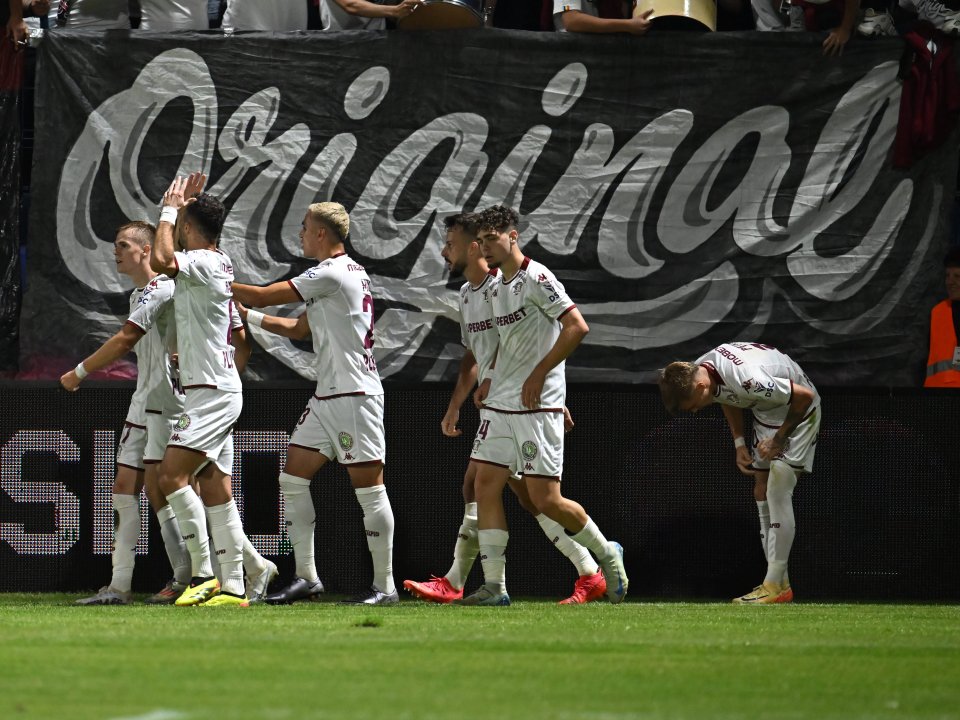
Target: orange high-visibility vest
pixel 943 343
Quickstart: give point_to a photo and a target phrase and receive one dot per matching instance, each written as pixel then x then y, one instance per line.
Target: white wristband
pixel 739 442
pixel 81 371
pixel 168 214
pixel 254 318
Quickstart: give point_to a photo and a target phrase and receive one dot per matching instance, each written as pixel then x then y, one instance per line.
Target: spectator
pixel 361 14
pixel 16 29
pixel 94 15
pixel 877 20
pixel 275 15
pixel 837 16
pixel 943 16
pixel 943 361
pixel 583 16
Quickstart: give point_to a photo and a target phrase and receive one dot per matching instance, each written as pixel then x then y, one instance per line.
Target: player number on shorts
pixel 483 429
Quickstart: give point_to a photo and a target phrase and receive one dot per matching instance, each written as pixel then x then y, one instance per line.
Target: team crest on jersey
pixel 486 296
pixel 346 441
pixel 747 384
pixel 529 450
pixel 183 423
pixel 518 287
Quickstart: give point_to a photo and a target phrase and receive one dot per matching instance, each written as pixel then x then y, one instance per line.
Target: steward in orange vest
pixel 943 362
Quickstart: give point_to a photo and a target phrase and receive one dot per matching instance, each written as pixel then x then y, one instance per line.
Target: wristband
pixel 168 214
pixel 739 442
pixel 81 371
pixel 254 318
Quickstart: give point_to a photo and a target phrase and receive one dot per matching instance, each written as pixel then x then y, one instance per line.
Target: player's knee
pixel 781 481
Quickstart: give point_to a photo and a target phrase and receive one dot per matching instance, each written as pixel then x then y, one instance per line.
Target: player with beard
pixel 479 336
pixel 521 423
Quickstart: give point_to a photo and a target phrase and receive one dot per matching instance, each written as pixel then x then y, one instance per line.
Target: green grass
pixel 531 660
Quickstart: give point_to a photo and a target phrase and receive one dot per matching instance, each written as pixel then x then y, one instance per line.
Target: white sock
pixel 378 522
pixel 126 534
pixel 763 510
pixel 301 523
pixel 592 539
pixel 253 561
pixel 493 557
pixel 466 549
pixel 193 528
pixel 173 544
pixel 576 553
pixel 780 487
pixel 227 532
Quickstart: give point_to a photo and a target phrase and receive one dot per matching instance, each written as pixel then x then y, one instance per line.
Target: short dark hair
pixel 952 258
pixel 466 221
pixel 499 218
pixel 208 214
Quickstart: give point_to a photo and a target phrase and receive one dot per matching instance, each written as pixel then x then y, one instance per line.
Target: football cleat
pixel 199 591
pixel 168 595
pixel 615 574
pixel 786 595
pixel 225 599
pixel 587 588
pixel 299 589
pixel 107 596
pixel 485 596
pixel 763 594
pixel 438 590
pixel 257 585
pixel 373 596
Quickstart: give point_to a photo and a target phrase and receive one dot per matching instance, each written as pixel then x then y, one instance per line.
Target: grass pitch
pixel 532 660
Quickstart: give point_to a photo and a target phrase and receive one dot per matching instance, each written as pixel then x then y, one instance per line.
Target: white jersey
pixel 95 15
pixel 271 15
pixel 203 302
pixel 154 316
pixel 165 15
pixel 136 413
pixel 756 377
pixel 477 330
pixel 334 17
pixel 587 7
pixel 340 313
pixel 526 312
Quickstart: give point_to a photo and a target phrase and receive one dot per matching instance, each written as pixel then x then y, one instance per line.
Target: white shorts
pixel 159 429
pixel 800 447
pixel 206 426
pixel 525 443
pixel 348 429
pixel 133 439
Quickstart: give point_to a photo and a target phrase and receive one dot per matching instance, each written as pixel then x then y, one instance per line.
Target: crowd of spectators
pixel 838 19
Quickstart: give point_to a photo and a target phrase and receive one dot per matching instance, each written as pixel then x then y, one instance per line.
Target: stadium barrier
pixel 878 518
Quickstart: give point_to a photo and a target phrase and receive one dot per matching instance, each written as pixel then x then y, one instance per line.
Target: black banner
pixel 729 186
pixel 11 73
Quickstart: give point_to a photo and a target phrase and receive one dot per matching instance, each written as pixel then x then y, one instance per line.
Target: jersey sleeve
pixel 548 294
pixel 319 281
pixel 154 299
pixel 766 387
pixel 191 267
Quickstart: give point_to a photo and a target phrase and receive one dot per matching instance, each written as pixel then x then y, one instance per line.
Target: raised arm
pixel 573 329
pixel 466 379
pixel 111 351
pixel 180 192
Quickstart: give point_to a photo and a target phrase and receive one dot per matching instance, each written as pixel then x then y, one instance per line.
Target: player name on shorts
pixel 480 326
pixel 511 318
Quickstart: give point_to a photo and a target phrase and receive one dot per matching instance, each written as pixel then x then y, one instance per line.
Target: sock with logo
pixel 763 511
pixel 226 529
pixel 173 544
pixel 780 485
pixel 577 554
pixel 126 534
pixel 493 557
pixel 592 539
pixel 301 523
pixel 466 549
pixel 193 525
pixel 378 523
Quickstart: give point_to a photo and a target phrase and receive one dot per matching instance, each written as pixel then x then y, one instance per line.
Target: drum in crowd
pixel 680 14
pixel 444 15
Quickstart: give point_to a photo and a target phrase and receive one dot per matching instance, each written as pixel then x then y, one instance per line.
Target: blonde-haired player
pixel 344 419
pixel 786 420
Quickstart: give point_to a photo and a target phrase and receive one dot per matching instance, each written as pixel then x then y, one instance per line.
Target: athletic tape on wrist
pixel 739 442
pixel 168 214
pixel 254 318
pixel 81 371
